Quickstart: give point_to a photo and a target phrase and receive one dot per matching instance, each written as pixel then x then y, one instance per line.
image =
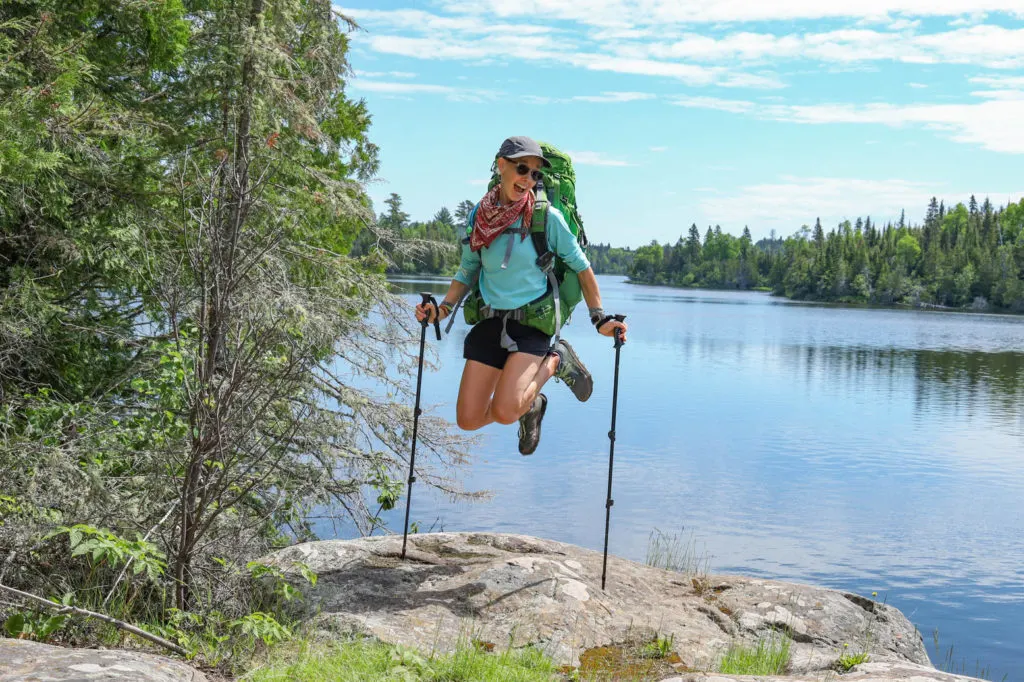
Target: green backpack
pixel 550 312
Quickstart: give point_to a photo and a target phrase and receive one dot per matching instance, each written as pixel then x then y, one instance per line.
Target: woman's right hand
pixel 427 311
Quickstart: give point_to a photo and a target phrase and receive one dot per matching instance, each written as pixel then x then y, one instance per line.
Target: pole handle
pixel 429 298
pixel 618 332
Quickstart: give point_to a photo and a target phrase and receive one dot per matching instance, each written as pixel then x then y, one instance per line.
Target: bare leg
pixel 473 407
pixel 519 384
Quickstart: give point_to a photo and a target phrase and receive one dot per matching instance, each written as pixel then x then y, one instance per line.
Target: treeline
pixel 969 255
pixel 610 260
pixel 416 247
pixel 431 247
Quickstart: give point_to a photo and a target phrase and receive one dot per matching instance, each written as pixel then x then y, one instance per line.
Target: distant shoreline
pixel 933 307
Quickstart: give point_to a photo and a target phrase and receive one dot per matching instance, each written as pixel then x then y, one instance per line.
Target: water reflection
pixel 864 449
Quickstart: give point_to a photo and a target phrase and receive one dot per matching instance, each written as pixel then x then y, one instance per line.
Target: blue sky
pixel 738 112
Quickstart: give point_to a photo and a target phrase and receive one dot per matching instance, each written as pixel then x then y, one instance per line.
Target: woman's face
pixel 514 181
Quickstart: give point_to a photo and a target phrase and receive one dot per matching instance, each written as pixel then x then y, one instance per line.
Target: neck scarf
pixel 492 217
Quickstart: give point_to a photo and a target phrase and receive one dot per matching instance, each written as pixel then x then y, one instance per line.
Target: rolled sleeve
pixel 562 241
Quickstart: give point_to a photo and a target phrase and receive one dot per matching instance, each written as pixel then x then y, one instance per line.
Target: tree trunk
pixel 206 426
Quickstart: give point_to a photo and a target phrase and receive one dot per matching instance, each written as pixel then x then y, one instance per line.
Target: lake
pixel 864 449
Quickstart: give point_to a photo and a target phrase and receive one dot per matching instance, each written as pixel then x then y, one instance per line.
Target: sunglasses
pixel 523 169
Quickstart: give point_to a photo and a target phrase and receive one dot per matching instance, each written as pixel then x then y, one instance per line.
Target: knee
pixel 505 412
pixel 468 422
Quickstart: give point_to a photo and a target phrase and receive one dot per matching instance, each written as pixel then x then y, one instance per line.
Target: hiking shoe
pixel 529 425
pixel 571 370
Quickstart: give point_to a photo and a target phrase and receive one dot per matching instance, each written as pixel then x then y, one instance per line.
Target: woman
pixel 507 363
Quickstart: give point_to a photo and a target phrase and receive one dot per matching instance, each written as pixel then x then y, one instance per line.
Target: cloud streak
pixel 402 88
pixel 588 158
pixel 615 97
pixel 989 46
pixel 993 124
pixel 630 14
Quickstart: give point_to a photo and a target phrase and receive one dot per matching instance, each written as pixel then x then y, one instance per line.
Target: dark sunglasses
pixel 523 169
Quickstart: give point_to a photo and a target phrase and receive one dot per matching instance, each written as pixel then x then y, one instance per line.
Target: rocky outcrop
pixel 866 672
pixel 34 662
pixel 513 590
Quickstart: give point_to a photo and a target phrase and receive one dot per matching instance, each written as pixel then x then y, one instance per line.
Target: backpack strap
pixel 545 257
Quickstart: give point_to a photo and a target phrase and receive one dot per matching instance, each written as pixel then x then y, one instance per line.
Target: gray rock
pixel 35 662
pixel 513 590
pixel 866 672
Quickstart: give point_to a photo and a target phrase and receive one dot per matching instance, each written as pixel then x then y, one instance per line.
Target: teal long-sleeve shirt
pixel 523 280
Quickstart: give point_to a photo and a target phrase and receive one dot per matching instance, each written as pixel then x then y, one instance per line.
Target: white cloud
pixel 472 38
pixel 730 105
pixel 541 48
pixel 384 74
pixel 969 20
pixel 1014 82
pixel 446 47
pixel 396 88
pixel 691 74
pixel 794 201
pixel 919 86
pixel 615 97
pixel 426 22
pixel 1000 94
pixel 658 149
pixel 992 46
pixel 585 158
pixel 904 24
pixel 629 14
pixel 993 124
pixel 656 38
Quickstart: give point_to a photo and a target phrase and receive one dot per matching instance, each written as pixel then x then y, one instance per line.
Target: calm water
pixel 859 449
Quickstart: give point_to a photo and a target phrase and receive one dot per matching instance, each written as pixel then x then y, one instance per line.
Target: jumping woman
pixel 508 360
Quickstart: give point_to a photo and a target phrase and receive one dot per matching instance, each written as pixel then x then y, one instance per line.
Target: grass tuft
pixel 370 660
pixel 769 657
pixel 674 553
pixel 847 661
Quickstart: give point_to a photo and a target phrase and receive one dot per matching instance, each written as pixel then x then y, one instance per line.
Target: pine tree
pixel 463 210
pixel 444 216
pixel 819 234
pixel 395 218
pixel 932 215
pixel 693 246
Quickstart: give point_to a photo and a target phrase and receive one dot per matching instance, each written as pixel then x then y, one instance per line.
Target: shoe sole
pixel 584 387
pixel 543 409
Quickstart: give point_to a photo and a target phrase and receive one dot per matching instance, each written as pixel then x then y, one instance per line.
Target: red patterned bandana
pixel 492 217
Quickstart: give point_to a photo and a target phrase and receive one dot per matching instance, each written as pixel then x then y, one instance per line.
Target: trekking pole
pixel 611 449
pixel 427 298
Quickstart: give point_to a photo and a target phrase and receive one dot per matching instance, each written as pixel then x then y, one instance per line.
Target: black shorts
pixel 483 343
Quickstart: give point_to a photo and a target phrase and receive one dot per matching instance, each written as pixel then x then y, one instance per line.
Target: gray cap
pixel 519 146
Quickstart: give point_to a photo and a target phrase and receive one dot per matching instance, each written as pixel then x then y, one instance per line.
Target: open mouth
pixel 520 188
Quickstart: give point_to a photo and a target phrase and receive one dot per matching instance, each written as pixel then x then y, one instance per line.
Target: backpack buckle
pixel 546 261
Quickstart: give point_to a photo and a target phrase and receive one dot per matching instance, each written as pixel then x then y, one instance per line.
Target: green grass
pixel 367 660
pixel 847 661
pixel 674 553
pixel 769 657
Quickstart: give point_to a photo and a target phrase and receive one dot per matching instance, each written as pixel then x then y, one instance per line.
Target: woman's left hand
pixel 609 327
